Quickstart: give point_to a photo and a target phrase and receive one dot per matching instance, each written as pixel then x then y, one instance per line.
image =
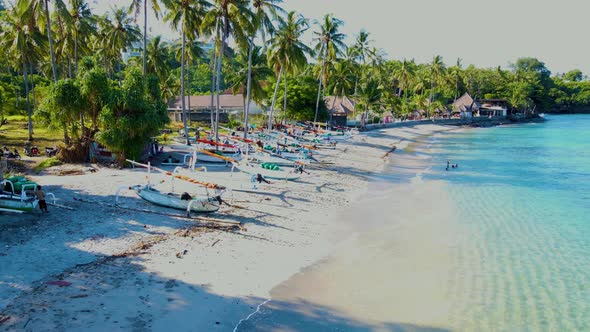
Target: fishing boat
pixel 262 157
pixel 209 158
pixel 178 201
pixel 12 201
pixel 273 173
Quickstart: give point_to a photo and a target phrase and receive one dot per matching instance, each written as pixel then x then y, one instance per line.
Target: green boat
pixel 14 201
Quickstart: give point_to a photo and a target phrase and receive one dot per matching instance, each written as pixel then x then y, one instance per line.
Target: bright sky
pixel 486 33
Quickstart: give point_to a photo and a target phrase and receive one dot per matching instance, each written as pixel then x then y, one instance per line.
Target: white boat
pixel 286 173
pixel 335 137
pixel 279 161
pixel 10 201
pixel 208 158
pixel 301 155
pixel 176 201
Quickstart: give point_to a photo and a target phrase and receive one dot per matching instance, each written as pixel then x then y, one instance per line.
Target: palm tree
pixel 263 23
pixel 192 51
pixel 157 58
pixel 370 94
pixel 360 51
pixel 189 15
pixel 123 33
pixel 343 78
pixel 100 43
pixel 255 74
pixel 405 74
pixel 362 46
pixel 23 42
pixel 235 20
pixel 437 72
pixel 84 25
pixel 455 76
pixel 38 11
pixel 136 8
pixel 287 52
pixel 329 46
pixel 262 9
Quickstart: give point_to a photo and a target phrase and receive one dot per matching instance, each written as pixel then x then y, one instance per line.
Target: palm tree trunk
pixel 214 74
pixel 182 86
pixel 70 68
pixel 119 72
pixel 76 53
pixel 29 111
pixel 82 122
pixel 188 82
pixel 66 137
pixel 34 103
pixel 145 20
pixel 456 87
pixel 213 80
pixel 285 100
pixel 248 89
pixel 50 41
pixel 274 99
pixel 219 63
pixel 317 104
pixel 263 40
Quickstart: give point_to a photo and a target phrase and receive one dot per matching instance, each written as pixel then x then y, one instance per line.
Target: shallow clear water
pixel 522 197
pixel 500 244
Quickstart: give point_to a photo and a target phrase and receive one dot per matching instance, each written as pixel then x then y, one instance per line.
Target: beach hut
pixel 339 109
pixel 466 106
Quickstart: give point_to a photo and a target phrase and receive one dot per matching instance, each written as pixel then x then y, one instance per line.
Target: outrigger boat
pixel 12 201
pixel 273 173
pixel 178 201
pixel 266 170
pixel 193 203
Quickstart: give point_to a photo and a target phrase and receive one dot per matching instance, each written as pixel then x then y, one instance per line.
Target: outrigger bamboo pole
pixel 180 177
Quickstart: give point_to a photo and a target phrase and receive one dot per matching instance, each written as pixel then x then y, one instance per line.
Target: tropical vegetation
pixel 103 78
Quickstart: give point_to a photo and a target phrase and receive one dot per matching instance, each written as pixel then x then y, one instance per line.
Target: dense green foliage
pixel 66 66
pixel 135 112
pixel 301 96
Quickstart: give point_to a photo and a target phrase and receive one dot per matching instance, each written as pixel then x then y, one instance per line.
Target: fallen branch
pixel 389 152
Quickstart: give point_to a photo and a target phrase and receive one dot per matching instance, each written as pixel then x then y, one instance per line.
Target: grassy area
pixel 15 133
pixel 47 163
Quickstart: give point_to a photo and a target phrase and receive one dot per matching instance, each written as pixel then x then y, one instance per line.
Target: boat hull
pixel 173 201
pixel 205 158
pixel 12 202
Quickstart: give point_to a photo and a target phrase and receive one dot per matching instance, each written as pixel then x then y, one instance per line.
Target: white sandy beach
pixel 127 270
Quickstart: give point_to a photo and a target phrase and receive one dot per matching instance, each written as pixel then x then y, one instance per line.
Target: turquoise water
pixel 517 259
pixel 523 205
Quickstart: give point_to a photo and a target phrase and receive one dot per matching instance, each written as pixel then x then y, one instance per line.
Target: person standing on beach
pixel 41 197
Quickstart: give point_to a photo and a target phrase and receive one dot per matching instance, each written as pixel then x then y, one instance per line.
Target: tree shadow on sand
pixel 301 315
pixel 118 293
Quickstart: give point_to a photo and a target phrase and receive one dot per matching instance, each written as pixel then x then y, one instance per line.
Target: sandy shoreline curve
pixel 103 268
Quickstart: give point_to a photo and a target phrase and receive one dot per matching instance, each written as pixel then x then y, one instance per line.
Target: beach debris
pixel 214 243
pixel 4 318
pixel 79 296
pixel 393 148
pixel 60 283
pixel 180 254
